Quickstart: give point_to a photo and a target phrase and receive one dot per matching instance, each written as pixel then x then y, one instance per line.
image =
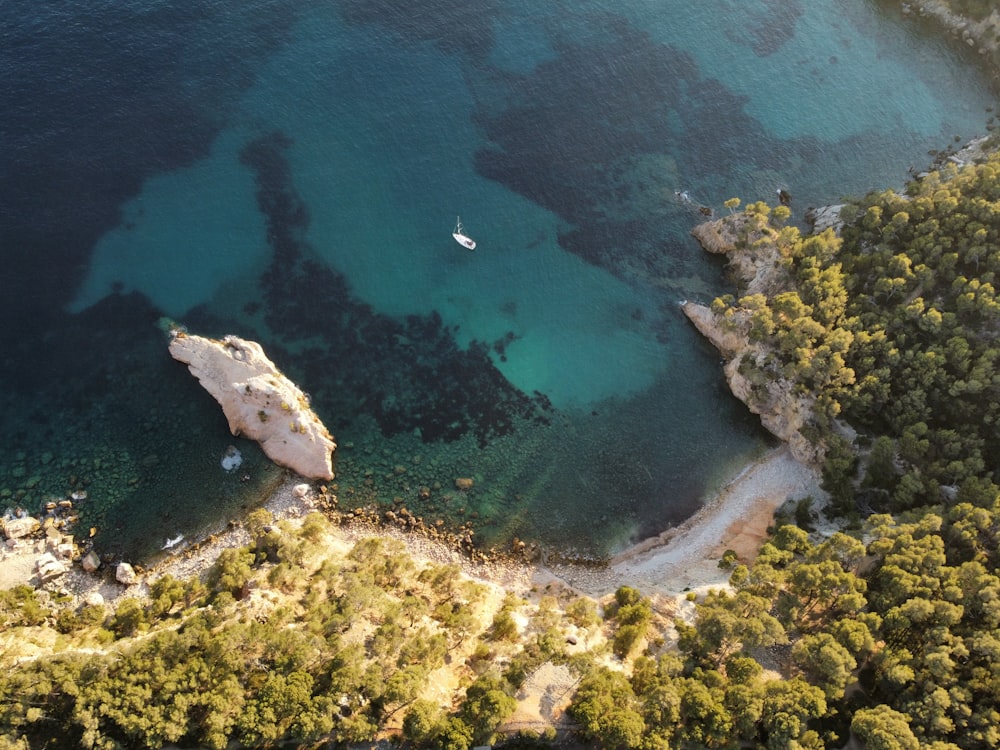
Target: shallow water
pixel 291 172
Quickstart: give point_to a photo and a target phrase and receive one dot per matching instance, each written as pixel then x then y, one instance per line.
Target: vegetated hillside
pixel 299 638
pixel 895 328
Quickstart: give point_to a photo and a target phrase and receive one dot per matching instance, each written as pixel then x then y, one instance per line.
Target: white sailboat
pixel 460 237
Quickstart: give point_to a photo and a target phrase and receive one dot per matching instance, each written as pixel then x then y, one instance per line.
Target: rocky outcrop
pixel 752 379
pixel 782 412
pixel 755 264
pixel 18 528
pixel 259 402
pixel 730 338
pixel 825 217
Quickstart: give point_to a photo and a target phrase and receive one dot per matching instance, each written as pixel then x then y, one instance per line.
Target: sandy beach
pixel 678 560
pixel 686 557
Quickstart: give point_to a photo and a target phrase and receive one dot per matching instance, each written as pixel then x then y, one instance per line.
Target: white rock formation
pixel 259 402
pixel 825 217
pixel 755 262
pixel 18 528
pixel 126 574
pixel 49 567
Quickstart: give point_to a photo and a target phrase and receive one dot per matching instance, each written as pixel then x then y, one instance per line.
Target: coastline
pixel 678 560
pixel 686 557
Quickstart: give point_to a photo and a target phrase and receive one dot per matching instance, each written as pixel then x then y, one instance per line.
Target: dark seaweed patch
pixel 409 374
pixel 574 132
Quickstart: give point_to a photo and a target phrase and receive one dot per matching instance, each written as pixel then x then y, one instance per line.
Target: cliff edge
pixel 755 259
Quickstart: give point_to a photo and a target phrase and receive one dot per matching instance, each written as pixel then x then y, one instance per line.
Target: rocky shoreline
pixel 673 561
pixel 679 560
pixel 983 35
pixel 753 258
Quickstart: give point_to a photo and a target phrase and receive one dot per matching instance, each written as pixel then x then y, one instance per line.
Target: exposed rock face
pixel 757 266
pixel 825 217
pixel 782 411
pixel 259 402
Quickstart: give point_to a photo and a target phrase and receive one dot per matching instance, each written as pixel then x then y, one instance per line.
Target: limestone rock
pixel 18 528
pixel 259 402
pixel 757 265
pixel 717 237
pixel 126 574
pixel 752 376
pixel 49 567
pixel 94 599
pixel 91 561
pixel 728 338
pixel 782 412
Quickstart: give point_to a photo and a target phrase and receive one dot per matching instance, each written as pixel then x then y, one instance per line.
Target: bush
pixel 583 613
pixel 130 617
pixel 231 572
pixel 424 720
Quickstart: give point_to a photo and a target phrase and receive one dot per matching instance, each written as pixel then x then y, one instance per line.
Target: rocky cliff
pixel 259 402
pixel 753 380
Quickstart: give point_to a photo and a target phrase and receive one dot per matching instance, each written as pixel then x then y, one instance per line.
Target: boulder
pixel 18 528
pixel 259 402
pixel 126 574
pixel 94 599
pixel 49 567
pixel 91 562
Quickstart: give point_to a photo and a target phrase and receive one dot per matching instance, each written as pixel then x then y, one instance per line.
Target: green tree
pixel 882 728
pixel 486 706
pixel 826 661
pixel 608 711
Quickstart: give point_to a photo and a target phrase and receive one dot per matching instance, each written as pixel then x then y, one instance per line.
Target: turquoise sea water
pixel 291 172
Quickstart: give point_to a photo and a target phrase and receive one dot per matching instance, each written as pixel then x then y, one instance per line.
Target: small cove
pixel 552 364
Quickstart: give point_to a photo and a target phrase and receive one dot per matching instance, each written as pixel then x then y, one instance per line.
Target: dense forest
pixel 893 327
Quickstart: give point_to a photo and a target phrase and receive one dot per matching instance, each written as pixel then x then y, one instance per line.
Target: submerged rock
pixel 259 402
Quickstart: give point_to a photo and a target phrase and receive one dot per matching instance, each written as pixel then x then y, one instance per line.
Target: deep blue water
pixel 291 172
